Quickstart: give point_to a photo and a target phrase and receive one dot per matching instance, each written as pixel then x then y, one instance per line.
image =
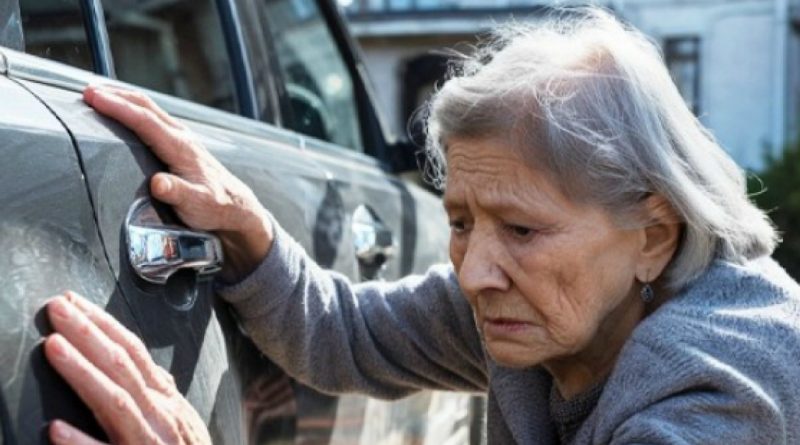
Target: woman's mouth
pixel 501 326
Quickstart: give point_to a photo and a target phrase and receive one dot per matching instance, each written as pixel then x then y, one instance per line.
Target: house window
pixel 682 56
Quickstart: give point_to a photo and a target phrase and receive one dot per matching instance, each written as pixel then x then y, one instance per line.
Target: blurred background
pixel 736 63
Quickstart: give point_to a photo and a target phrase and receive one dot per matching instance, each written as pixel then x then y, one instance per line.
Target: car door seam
pixel 79 157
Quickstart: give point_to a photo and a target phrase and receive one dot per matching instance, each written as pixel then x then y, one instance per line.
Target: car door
pixel 325 98
pixel 186 330
pixel 338 202
pixel 50 242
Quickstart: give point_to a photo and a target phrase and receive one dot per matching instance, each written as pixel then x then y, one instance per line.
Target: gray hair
pixel 588 100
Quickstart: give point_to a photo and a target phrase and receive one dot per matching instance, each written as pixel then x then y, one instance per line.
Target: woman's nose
pixel 480 270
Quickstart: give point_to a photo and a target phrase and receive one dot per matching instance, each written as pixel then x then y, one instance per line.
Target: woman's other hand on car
pixel 133 399
pixel 204 194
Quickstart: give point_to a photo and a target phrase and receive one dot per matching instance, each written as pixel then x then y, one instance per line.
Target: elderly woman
pixel 610 280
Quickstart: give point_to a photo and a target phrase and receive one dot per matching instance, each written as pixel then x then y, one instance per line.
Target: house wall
pixel 748 59
pixel 743 82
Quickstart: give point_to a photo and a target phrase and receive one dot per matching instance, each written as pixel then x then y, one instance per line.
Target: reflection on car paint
pixel 329 226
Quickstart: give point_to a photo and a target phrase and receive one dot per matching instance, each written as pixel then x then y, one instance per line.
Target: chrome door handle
pixel 156 250
pixel 373 241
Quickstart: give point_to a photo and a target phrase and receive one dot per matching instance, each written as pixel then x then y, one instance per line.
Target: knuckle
pixel 118 357
pixel 149 102
pixel 141 118
pixel 219 198
pixel 84 328
pixel 190 152
pixel 122 402
pixel 123 367
pixel 103 320
pixel 138 348
pixel 162 380
pixel 149 406
pixel 150 117
pixel 139 96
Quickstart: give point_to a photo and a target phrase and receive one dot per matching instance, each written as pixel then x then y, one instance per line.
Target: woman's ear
pixel 660 238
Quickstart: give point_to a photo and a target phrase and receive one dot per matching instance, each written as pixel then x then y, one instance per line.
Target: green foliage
pixel 776 189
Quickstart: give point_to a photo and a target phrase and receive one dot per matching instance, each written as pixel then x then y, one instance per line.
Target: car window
pixel 175 47
pixel 54 29
pixel 11 30
pixel 316 79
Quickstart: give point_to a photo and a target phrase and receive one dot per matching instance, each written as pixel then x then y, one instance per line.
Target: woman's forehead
pixel 497 182
pixel 492 162
pixel 480 155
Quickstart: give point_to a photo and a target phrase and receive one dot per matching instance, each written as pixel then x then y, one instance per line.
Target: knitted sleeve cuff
pixel 273 280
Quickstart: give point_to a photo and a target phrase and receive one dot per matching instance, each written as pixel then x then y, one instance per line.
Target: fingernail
pixel 72 297
pixel 100 92
pixel 166 185
pixel 61 308
pixel 61 431
pixel 57 347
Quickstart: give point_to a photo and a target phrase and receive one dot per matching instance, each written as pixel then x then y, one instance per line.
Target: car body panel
pixel 190 342
pixel 50 243
pixel 311 187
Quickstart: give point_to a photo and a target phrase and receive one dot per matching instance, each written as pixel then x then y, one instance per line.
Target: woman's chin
pixel 512 356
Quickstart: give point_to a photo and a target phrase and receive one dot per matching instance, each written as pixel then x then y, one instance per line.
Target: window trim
pixel 373 135
pixel 282 109
pixel 286 116
pixel 260 54
pixel 97 37
pixel 100 45
pixel 240 62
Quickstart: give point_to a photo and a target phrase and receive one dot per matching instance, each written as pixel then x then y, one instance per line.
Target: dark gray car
pixel 276 92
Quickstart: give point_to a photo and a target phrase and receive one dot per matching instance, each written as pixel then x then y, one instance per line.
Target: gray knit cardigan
pixel 717 364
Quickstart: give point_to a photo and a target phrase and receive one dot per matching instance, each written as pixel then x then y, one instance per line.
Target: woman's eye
pixel 457 226
pixel 520 231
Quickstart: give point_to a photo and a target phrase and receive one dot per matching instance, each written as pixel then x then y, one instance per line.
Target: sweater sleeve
pixel 383 339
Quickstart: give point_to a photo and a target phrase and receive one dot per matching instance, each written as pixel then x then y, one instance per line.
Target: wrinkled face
pixel 541 272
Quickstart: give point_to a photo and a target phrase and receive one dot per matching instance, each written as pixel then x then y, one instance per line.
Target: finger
pixel 62 433
pixel 114 408
pixel 108 356
pixel 144 101
pixel 172 189
pixel 136 97
pixel 170 145
pixel 154 376
pixel 178 192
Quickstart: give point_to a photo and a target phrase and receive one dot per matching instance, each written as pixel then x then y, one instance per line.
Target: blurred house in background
pixel 736 62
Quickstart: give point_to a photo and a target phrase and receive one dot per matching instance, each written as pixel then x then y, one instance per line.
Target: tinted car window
pixel 316 79
pixel 54 29
pixel 176 47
